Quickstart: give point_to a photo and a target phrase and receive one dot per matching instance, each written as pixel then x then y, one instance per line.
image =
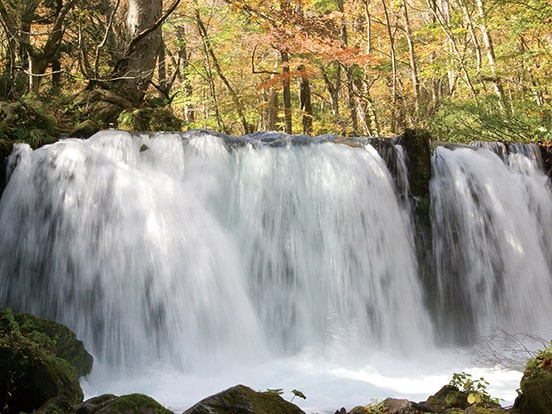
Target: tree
pixel 36 28
pixel 210 55
pixel 143 40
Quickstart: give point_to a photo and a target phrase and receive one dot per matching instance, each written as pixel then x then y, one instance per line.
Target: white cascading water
pixel 191 262
pixel 491 221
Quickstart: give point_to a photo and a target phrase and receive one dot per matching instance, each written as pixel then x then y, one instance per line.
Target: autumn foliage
pixel 464 69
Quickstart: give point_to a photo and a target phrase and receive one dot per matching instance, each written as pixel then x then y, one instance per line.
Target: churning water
pixel 191 262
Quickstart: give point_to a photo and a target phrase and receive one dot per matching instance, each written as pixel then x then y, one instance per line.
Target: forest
pixel 462 69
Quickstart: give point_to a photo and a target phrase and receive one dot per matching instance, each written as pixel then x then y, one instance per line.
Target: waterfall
pixel 203 254
pixel 491 219
pixel 175 248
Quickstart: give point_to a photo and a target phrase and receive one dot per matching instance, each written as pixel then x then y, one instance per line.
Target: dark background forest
pixel 463 69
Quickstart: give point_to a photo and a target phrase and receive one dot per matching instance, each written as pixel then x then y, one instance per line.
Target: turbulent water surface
pixel 191 262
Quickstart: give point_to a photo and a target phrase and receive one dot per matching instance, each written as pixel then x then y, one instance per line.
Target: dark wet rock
pixel 125 404
pixel 40 362
pixel 243 400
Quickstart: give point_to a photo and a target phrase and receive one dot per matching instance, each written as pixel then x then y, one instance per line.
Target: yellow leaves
pixel 474 398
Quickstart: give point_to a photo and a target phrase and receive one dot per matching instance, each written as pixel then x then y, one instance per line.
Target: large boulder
pixel 244 400
pixel 125 404
pixel 40 362
pixel 536 385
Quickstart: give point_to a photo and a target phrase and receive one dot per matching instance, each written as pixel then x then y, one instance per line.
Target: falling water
pixel 216 258
pixel 491 218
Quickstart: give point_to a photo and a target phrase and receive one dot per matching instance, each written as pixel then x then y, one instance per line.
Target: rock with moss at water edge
pixel 243 400
pixel 125 404
pixel 40 362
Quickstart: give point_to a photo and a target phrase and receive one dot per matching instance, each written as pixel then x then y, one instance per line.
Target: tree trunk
pixel 489 48
pixel 136 70
pixel 333 91
pixel 368 17
pixel 367 113
pixel 305 102
pixel 213 90
pixel 471 27
pixel 394 94
pixel 349 72
pixel 288 125
pixel 209 50
pixel 454 48
pixel 37 58
pixel 413 61
pixel 269 115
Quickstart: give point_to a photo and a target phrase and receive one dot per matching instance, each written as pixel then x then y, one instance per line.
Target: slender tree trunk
pixel 305 102
pixel 454 48
pixel 349 72
pixel 536 88
pixel 269 114
pixel 333 91
pixel 367 113
pixel 213 91
pixel 209 49
pixel 489 48
pixel 394 94
pixel 413 61
pixel 162 71
pixel 181 64
pixel 473 35
pixel 288 125
pixel 368 17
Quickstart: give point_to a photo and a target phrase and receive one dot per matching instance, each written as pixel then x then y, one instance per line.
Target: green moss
pixel 149 119
pixel 85 129
pixel 57 339
pixel 35 378
pixel 242 399
pixel 28 121
pixel 125 404
pixel 137 403
pixel 536 384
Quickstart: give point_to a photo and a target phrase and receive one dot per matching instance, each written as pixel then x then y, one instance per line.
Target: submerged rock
pixel 40 362
pixel 125 404
pixel 243 400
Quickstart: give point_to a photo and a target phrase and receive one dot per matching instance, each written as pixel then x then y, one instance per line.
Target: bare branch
pixel 257 72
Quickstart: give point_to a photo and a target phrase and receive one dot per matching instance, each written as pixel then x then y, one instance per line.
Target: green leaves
pixel 476 389
pixel 280 391
pixel 297 393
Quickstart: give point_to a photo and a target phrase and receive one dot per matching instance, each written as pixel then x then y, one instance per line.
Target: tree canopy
pixel 464 69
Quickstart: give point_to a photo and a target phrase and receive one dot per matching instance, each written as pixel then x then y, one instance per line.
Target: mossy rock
pixel 26 121
pixel 417 144
pixel 244 400
pixel 34 377
pixel 85 129
pixel 149 119
pixel 125 404
pixel 54 338
pixel 448 397
pixel 536 385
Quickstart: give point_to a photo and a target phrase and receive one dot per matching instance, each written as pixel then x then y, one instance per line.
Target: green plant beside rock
pixel 536 384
